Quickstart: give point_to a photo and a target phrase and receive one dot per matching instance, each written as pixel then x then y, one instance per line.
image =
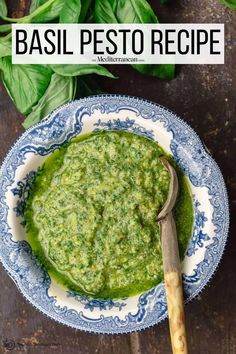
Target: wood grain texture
pixel 205 97
pixel 174 296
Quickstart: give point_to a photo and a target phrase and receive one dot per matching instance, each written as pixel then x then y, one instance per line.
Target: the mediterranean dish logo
pixel 118 44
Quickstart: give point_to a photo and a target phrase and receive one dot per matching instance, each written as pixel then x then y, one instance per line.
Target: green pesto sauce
pixel 92 209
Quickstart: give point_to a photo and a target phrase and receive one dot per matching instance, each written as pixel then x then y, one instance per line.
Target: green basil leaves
pixel 25 84
pixel 36 90
pixel 3 8
pixel 70 12
pixel 230 3
pixel 81 69
pixel 132 11
pixel 60 91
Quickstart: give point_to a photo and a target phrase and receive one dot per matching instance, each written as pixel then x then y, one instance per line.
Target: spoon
pixel 171 266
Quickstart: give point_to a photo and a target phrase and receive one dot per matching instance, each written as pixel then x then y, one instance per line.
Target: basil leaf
pixel 5 47
pixel 25 84
pixel 60 91
pixel 124 11
pixel 132 11
pixel 70 12
pixel 230 3
pixel 139 11
pixel 40 11
pixel 5 28
pixel 46 12
pixel 3 8
pixel 135 11
pixel 80 69
pixel 105 11
pixel 163 71
pixel 35 4
pixel 85 8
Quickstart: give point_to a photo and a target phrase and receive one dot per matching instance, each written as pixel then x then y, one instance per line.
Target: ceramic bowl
pixel 115 112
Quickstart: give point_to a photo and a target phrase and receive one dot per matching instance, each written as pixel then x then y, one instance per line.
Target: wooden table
pixel 205 96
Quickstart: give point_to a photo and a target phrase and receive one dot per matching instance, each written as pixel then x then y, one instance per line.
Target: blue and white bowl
pixel 123 113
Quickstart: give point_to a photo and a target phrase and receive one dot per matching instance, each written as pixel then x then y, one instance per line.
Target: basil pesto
pixel 91 214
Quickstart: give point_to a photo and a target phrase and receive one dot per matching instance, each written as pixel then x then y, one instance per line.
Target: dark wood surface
pixel 205 96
